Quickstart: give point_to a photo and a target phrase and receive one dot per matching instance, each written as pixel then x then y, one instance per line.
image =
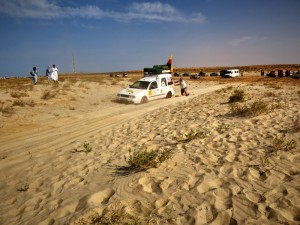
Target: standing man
pixel 48 73
pixel 54 74
pixel 34 75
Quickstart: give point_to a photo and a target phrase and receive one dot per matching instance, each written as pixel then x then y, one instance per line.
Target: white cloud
pixel 47 9
pixel 156 7
pixel 242 40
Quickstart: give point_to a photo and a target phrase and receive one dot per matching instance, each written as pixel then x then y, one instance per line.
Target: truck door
pixel 164 85
pixel 153 90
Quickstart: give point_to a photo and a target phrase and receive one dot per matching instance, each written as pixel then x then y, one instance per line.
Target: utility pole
pixel 74 66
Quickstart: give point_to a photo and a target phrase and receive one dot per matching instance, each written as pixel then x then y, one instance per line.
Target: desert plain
pixel 65 147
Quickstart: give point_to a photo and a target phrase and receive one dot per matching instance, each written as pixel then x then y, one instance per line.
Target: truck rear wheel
pixel 169 95
pixel 144 100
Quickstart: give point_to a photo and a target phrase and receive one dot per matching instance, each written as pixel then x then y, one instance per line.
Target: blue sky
pixel 120 35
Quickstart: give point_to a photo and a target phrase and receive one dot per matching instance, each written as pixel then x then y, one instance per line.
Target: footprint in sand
pixel 204 214
pixel 223 198
pixel 37 204
pixel 95 200
pixel 101 197
pixel 151 185
pixel 208 185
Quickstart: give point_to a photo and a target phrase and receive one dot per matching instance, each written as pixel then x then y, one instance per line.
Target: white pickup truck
pixel 150 87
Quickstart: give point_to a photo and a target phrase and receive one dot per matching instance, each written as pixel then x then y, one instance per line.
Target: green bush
pixel 258 107
pixel 254 109
pixel 238 96
pixel 143 160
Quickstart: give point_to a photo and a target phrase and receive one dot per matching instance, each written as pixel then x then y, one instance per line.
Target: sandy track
pixel 59 131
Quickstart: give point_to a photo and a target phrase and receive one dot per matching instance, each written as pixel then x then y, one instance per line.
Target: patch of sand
pixel 230 174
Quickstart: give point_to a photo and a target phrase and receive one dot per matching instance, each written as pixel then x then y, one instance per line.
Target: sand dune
pixel 230 173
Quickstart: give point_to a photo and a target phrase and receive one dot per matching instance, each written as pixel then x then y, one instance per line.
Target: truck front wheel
pixel 169 95
pixel 144 100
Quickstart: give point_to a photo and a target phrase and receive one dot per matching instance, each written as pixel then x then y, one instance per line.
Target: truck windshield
pixel 140 85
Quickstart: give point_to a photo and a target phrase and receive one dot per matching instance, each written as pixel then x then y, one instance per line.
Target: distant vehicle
pixel 201 74
pixel 214 74
pixel 148 88
pixel 271 74
pixel 222 73
pixel 194 76
pixel 186 74
pixel 280 73
pixel 176 74
pixel 232 73
pixel 296 75
pixel 125 75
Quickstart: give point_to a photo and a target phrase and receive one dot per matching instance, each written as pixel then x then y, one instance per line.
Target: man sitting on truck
pixel 183 86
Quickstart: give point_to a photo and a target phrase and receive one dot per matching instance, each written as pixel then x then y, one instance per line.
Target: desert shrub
pixel 86 147
pixel 296 125
pixel 238 96
pixel 191 135
pixel 258 107
pixel 7 110
pixel 283 144
pixel 222 128
pixel 23 103
pixel 143 160
pixel 23 187
pixel 16 94
pixel 254 109
pixel 275 86
pixel 30 103
pixel 269 94
pixel 19 102
pixel 48 95
pixel 116 214
pixel 239 110
pixel 298 92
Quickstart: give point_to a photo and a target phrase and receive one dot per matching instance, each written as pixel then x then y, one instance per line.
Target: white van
pixel 148 88
pixel 232 73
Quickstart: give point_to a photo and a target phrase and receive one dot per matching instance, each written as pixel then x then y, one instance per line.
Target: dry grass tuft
pixel 116 214
pixel 16 94
pixel 296 125
pixel 19 102
pixel 269 94
pixel 254 109
pixel 259 107
pixel 7 111
pixel 283 144
pixel 143 160
pixel 238 96
pixel 48 95
pixel 191 135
